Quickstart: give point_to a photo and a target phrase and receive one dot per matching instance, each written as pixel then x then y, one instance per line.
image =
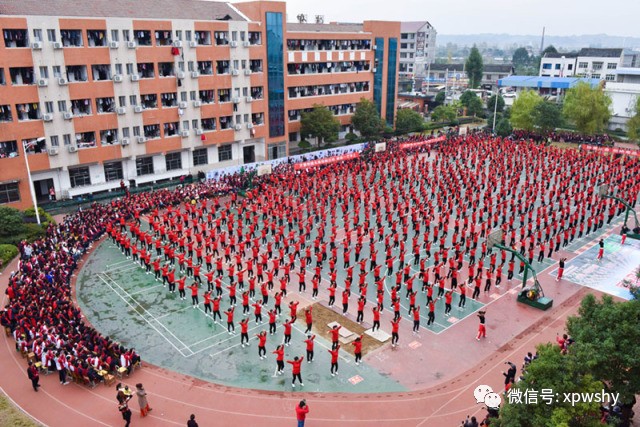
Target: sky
pixel 526 17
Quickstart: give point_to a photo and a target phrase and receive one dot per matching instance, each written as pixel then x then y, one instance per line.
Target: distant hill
pixel 560 42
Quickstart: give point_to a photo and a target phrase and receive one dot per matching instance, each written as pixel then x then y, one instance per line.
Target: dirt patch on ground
pixel 323 315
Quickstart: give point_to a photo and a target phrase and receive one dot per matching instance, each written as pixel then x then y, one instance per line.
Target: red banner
pixel 612 150
pixel 325 161
pixel 409 145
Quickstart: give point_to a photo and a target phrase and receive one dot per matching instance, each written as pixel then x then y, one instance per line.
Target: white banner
pixel 381 146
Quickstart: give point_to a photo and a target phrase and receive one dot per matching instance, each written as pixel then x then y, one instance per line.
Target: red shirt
pixel 295 364
pixel 301 413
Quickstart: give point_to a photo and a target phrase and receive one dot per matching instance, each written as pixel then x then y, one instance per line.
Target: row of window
pixel 598 65
pixel 338 110
pixel 330 89
pixel 302 44
pixel 98 38
pixel 328 67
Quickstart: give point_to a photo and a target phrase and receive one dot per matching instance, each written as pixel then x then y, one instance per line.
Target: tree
pixel 408 121
pixel 473 104
pixel 444 113
pixel 440 98
pixel 547 116
pixel 549 49
pixel 503 127
pixel 366 120
pixel 633 125
pixel 522 110
pixel 320 123
pixel 491 103
pixel 521 57
pixel 561 374
pixel 607 343
pixel 474 67
pixel 587 108
pixel 10 221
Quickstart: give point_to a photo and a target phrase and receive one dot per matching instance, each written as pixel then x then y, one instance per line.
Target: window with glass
pixel 8 149
pixel 224 153
pixel 71 38
pixel 15 38
pixel 79 177
pixel 113 171
pixel 200 157
pixel 377 75
pixel 9 193
pixel 275 75
pixel 391 80
pixel 173 161
pixel 54 140
pixel 144 166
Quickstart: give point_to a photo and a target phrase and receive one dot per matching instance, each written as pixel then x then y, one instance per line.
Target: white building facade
pixel 417 48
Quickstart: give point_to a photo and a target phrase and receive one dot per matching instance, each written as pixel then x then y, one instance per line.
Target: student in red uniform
pixel 395 326
pixel 194 295
pixel 308 315
pixel 272 322
pixel 207 302
pixel 279 352
pixel 447 302
pixel 432 313
pixel 416 319
pixel 376 318
pixel 301 412
pixel 262 341
pixel 560 269
pixel 334 360
pixel 257 311
pixel 296 370
pixel 309 342
pixel 335 335
pixel 244 332
pixel 482 331
pixel 231 327
pixel 287 331
pixel 357 349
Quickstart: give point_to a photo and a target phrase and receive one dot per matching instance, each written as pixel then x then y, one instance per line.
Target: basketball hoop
pixel 603 190
pixel 495 238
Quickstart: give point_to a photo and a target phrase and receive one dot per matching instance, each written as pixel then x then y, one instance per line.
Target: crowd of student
pixel 541 197
pixel 560 136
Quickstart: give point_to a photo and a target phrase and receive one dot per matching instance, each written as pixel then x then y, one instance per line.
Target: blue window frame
pixel 391 80
pixel 377 76
pixel 275 70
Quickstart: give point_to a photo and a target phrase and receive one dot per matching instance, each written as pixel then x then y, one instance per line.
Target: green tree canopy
pixel 474 67
pixel 503 127
pixel 320 123
pixel 547 116
pixel 520 57
pixel 607 343
pixel 444 113
pixel 522 110
pixel 560 374
pixel 11 222
pixel 549 49
pixel 440 97
pixel 366 120
pixel 633 125
pixel 408 121
pixel 587 108
pixel 473 104
pixel 491 103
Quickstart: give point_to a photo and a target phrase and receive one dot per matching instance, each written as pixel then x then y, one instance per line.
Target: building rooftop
pixel 149 9
pixel 602 53
pixel 488 68
pixel 560 55
pixel 334 27
pixel 413 26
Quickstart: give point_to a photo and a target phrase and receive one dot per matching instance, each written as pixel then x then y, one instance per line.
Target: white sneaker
pixel 293 385
pixel 301 384
pixel 333 375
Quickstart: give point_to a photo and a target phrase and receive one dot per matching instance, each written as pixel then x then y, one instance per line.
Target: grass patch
pixel 12 416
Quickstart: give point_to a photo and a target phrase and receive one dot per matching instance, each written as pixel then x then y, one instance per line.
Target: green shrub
pixel 45 217
pixel 7 253
pixel 352 138
pixel 304 144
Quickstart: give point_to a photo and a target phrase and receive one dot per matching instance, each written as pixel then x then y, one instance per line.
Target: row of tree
pixel 320 123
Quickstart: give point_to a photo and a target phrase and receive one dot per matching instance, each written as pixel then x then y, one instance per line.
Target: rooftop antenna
pixel 542 41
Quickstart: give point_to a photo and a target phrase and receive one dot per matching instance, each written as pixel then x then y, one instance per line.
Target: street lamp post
pixel 32 189
pixel 495 111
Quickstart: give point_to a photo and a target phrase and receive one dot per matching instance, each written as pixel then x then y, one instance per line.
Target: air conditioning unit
pixel 235 100
pixel 113 45
pixel 73 148
pixel 246 44
pixel 57 45
pixel 67 115
pixel 62 81
pixel 181 75
pixel 135 77
pixel 47 117
pixel 193 43
pixel 117 78
pixel 138 109
pixel 199 132
pixel 177 43
pixel 124 141
pixel 36 45
pixel 184 133
pixel 374 69
pixel 237 127
pixel 121 110
pixel 248 99
pixel 195 74
pixel 249 125
pixel 53 151
pixel 182 104
pixel 247 72
pixel 233 44
pixel 141 140
pixel 197 104
pixel 132 45
pixel 43 82
pixel 235 72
